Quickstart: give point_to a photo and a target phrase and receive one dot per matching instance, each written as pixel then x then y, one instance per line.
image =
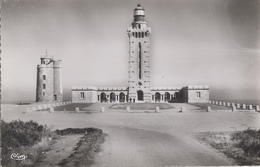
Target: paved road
pixel 138 147
pixel 149 139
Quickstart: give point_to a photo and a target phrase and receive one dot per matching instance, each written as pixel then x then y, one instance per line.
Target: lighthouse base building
pixel 139 86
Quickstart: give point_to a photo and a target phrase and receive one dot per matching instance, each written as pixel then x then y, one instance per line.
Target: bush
pixel 249 141
pixel 18 133
pixel 28 138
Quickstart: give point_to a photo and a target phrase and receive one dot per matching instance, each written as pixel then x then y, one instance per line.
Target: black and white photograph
pixel 130 83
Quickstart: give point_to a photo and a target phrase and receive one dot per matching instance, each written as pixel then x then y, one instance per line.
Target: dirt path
pixel 60 150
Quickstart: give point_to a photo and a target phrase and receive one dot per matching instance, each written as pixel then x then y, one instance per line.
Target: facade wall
pixel 84 96
pixel 195 94
pixel 44 89
pixel 57 90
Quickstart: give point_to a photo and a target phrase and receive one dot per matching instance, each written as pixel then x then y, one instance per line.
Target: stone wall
pixel 195 94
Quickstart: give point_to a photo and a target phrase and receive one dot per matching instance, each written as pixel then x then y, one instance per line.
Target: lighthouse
pixel 139 89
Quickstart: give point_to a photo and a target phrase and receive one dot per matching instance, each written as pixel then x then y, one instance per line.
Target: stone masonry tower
pixel 139 58
pixel 49 86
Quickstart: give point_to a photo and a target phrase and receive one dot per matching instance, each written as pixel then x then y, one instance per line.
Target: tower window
pixel 198 94
pixel 142 34
pixel 139 26
pixel 82 95
pixel 44 77
pixel 43 86
pixel 43 93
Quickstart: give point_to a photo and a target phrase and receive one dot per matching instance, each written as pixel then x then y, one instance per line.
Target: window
pixel 132 51
pixel 44 86
pixel 82 95
pixel 44 77
pixel 144 41
pixel 98 97
pixel 198 94
pixel 43 93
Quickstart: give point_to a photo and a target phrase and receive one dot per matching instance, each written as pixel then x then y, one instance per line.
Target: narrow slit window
pixel 198 94
pixel 43 86
pixel 82 95
pixel 140 61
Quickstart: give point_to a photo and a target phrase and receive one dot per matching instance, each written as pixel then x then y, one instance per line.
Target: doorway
pixel 140 95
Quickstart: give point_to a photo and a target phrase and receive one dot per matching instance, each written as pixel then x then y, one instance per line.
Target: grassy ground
pixel 71 107
pixel 142 106
pixel 87 147
pixel 203 106
pixel 242 146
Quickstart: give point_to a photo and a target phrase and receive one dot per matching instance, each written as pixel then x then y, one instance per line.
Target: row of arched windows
pixel 112 97
pixel 139 34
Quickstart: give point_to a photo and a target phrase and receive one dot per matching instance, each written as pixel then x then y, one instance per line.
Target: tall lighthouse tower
pixel 139 58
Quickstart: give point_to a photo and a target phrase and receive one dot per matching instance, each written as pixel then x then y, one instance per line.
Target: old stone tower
pixel 139 58
pixel 49 86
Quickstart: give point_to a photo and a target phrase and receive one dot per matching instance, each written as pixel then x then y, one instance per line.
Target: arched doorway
pixel 167 97
pixel 112 97
pixel 157 97
pixel 140 95
pixel 103 97
pixel 121 97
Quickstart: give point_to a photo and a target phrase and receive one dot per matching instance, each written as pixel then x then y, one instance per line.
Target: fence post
pixel 77 109
pixel 234 109
pixel 157 109
pixel 182 109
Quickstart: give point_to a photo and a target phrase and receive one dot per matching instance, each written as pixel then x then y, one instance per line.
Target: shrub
pixel 28 138
pixel 248 140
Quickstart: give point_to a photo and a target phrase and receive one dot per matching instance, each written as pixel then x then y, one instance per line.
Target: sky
pixel 193 42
